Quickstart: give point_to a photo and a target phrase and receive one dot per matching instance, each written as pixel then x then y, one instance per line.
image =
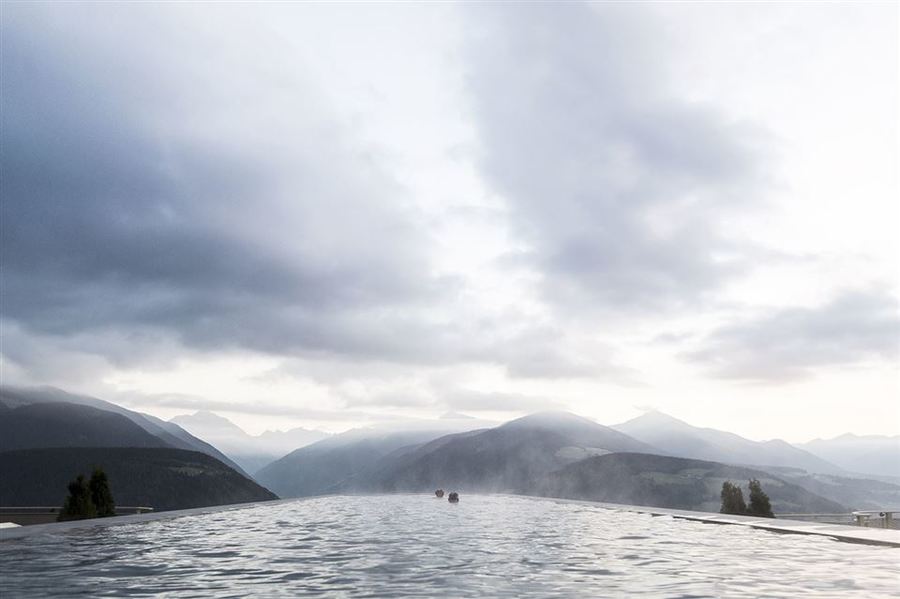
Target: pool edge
pixel 838 532
pixel 843 533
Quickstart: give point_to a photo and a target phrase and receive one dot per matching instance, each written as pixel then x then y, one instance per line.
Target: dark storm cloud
pixel 615 185
pixel 790 343
pixel 156 179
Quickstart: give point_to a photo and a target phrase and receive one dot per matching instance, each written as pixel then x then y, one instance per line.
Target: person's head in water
pixel 439 493
pixel 454 497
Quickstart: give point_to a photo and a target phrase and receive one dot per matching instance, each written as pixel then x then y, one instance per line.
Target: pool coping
pixel 55 527
pixel 838 532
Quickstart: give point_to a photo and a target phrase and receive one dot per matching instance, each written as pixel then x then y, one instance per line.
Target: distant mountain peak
pixel 206 420
pixel 657 413
pixel 551 418
pixel 210 416
pixel 777 443
pixel 455 416
pixel 654 419
pixel 659 416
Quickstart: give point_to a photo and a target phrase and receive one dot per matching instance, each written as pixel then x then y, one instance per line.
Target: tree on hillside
pixel 759 501
pixel 79 503
pixel 101 495
pixel 732 499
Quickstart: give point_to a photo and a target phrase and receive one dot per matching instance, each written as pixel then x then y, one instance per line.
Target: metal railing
pixel 866 518
pixel 876 518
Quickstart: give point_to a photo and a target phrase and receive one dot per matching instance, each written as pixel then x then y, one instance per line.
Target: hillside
pixel 171 435
pixel 679 438
pixel 318 468
pixel 325 466
pixel 662 481
pixel 161 478
pixel 510 457
pixel 57 424
pixel 855 493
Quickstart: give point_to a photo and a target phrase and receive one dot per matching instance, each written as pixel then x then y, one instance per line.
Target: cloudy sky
pixel 328 215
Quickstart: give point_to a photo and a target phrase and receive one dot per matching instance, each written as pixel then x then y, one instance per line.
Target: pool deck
pixel 839 532
pixel 850 534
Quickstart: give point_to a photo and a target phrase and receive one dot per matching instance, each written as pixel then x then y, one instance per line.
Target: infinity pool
pixel 407 545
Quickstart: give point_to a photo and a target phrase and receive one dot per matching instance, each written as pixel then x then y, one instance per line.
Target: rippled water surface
pixel 406 545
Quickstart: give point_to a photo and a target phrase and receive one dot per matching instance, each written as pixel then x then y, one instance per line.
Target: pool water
pixel 412 545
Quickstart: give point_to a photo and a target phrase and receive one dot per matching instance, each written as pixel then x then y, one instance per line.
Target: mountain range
pixel 654 459
pixel 676 437
pixel 48 436
pixel 320 468
pixel 251 452
pixel 665 463
pixel 553 454
pixel 162 477
pixel 168 433
pixel 508 458
pixel 680 483
pixel 61 424
pixel 851 483
pixel 869 454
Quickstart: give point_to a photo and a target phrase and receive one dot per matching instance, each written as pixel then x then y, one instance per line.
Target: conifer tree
pixel 759 501
pixel 732 499
pixel 101 495
pixel 78 504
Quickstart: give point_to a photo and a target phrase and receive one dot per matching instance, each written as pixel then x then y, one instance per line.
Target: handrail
pixel 881 518
pixel 863 517
pixel 880 512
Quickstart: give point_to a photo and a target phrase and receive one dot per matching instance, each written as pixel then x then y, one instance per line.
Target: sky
pixel 332 215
